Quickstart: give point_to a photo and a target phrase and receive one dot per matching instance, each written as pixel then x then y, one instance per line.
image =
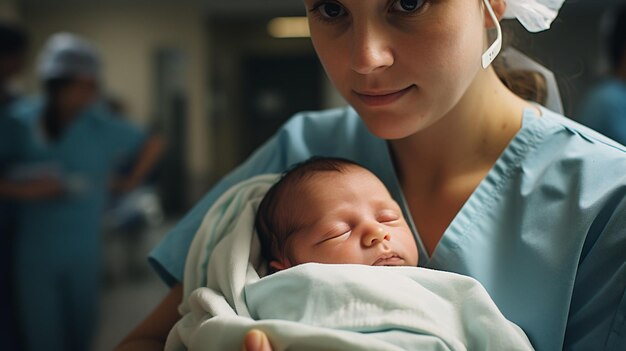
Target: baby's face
pixel 350 217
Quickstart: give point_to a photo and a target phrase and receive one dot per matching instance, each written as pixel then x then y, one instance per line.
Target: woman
pixel 525 201
pixel 78 145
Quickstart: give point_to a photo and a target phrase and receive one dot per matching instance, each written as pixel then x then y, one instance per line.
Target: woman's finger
pixel 256 340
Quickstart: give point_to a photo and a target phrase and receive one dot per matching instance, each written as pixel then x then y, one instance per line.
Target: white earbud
pixel 495 48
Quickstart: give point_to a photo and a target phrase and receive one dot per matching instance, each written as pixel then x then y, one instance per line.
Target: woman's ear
pixel 499 7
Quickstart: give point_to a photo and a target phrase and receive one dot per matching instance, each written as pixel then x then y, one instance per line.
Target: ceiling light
pixel 288 27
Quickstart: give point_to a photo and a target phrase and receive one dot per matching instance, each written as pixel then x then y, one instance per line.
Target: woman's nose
pixel 371 51
pixel 375 235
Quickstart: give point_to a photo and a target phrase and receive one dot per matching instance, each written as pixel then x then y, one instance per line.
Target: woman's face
pixel 402 64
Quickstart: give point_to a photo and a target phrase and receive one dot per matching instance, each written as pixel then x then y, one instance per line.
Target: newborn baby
pixel 344 276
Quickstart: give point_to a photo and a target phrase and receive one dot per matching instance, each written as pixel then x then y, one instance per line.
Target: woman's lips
pixel 381 98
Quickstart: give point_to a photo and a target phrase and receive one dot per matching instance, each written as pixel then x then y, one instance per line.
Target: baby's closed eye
pixel 387 217
pixel 340 231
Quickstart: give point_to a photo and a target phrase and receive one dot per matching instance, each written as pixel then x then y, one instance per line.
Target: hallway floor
pixel 123 307
pixel 131 289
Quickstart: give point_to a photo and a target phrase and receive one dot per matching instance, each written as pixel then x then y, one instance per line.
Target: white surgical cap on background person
pixel 68 55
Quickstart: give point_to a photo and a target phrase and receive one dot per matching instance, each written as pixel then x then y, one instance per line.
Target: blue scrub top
pixel 544 232
pixel 84 158
pixel 604 109
pixel 12 135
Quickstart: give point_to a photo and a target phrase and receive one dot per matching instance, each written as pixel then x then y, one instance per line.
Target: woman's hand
pixel 151 334
pixel 256 340
pixel 146 161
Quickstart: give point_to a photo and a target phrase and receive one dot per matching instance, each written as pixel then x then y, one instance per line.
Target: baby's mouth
pixel 391 259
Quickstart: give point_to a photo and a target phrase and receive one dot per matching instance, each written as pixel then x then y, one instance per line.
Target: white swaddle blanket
pixel 320 306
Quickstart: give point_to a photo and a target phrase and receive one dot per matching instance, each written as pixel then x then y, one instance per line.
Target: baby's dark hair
pixel 275 223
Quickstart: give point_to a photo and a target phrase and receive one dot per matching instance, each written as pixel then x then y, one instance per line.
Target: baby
pixel 330 210
pixel 329 221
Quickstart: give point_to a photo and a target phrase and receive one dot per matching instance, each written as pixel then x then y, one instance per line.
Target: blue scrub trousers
pixel 58 284
pixel 8 319
pixel 57 246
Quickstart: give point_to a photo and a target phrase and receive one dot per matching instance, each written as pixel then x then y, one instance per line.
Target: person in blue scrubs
pixel 13 47
pixel 604 108
pixel 73 138
pixel 526 201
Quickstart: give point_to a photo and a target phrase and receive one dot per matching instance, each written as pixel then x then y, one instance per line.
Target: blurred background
pixel 215 78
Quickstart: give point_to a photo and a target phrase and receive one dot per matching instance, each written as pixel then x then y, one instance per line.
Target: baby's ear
pixel 279 266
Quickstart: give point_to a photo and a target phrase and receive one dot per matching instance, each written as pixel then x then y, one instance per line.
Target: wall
pixel 8 10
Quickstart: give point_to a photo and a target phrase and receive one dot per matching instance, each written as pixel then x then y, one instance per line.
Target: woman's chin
pixel 392 122
pixel 391 128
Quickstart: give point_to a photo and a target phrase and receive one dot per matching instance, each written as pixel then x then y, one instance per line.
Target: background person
pixel 77 141
pixel 13 47
pixel 604 108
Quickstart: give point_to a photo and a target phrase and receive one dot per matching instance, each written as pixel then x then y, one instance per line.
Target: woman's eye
pixel 408 5
pixel 331 10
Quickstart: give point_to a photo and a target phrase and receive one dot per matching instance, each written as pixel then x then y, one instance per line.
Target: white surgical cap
pixel 534 15
pixel 67 55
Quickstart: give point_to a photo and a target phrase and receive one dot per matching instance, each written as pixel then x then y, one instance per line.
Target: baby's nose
pixel 375 236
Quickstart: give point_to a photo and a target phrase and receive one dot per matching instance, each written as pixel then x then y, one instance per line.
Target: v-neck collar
pixel 475 208
pixel 76 124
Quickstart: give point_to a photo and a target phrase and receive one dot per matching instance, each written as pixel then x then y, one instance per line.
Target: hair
pixel 13 40
pixel 275 222
pixel 527 84
pixel 617 38
pixel 52 123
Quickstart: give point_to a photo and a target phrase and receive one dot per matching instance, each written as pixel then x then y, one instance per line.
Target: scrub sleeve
pixel 544 232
